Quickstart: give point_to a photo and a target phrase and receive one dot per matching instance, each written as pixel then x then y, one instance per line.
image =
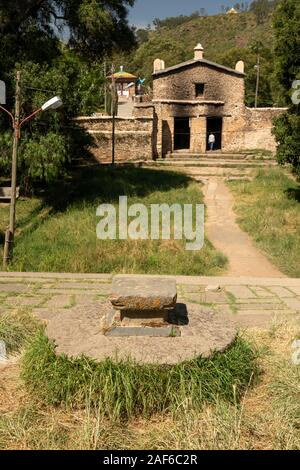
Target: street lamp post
pixel 9 234
pixel 114 104
pixel 54 103
pixel 257 67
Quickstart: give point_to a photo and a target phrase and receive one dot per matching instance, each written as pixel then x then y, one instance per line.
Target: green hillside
pixel 226 39
pixel 217 34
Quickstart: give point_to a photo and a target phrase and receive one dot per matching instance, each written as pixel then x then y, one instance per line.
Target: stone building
pixel 232 11
pixel 199 97
pixel 190 101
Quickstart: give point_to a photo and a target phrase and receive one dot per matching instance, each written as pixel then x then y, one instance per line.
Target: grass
pixel 267 416
pixel 16 329
pixel 268 208
pixel 56 230
pixel 123 390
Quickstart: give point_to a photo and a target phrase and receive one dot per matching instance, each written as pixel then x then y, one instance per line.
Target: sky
pixel 144 11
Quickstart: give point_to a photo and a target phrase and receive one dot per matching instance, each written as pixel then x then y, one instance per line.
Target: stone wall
pixel 196 111
pixel 150 133
pixel 221 85
pixel 142 110
pixel 251 130
pixel 174 95
pixel 258 130
pixel 147 110
pixel 134 137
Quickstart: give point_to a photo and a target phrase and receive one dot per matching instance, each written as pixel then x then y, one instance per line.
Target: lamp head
pixel 54 103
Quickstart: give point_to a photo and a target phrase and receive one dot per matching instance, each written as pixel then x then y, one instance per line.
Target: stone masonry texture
pixel 136 294
pixel 236 295
pixel 133 138
pixel 151 132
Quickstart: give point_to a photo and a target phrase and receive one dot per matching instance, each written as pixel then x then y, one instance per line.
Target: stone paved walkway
pixel 252 302
pixel 225 234
pixel 125 109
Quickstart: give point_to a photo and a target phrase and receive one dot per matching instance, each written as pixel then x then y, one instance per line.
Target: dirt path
pixel 225 234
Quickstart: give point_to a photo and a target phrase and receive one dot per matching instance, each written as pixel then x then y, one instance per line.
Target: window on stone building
pixel 199 90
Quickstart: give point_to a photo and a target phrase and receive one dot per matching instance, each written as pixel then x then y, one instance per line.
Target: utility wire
pixel 38 89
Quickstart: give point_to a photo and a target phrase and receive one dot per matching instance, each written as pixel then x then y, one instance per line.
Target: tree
pixel 241 7
pixel 50 140
pixel 287 72
pixel 171 51
pixel 94 26
pixel 249 56
pixel 31 34
pixel 244 6
pixel 142 35
pixel 174 21
pixel 261 9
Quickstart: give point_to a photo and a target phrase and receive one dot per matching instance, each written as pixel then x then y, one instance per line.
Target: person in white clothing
pixel 211 141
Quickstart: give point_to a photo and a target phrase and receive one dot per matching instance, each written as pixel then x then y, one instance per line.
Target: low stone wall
pixel 251 130
pixel 142 110
pixel 134 137
pixel 150 133
pixel 258 129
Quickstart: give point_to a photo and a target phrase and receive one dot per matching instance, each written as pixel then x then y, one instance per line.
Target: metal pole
pixel 9 236
pixel 114 104
pixel 257 80
pixel 105 86
pixel 113 138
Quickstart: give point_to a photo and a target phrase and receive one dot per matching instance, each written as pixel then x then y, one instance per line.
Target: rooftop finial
pixel 199 52
pixel 158 65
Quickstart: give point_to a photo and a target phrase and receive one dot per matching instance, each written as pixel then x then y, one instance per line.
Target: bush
pixel 287 134
pixel 52 139
pixel 45 157
pixel 286 24
pixel 6 151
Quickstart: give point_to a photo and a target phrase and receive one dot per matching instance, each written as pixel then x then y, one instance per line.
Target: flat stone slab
pixel 59 301
pixel 78 331
pixel 148 294
pixel 241 292
pixel 12 287
pixel 16 301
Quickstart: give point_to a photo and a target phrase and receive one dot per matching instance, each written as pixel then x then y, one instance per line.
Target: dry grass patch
pixel 267 416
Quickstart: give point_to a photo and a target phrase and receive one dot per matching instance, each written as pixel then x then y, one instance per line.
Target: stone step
pixel 214 163
pixel 5 193
pixel 219 156
pixel 209 155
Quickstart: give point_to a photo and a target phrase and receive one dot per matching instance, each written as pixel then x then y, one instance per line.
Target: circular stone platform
pixel 77 331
